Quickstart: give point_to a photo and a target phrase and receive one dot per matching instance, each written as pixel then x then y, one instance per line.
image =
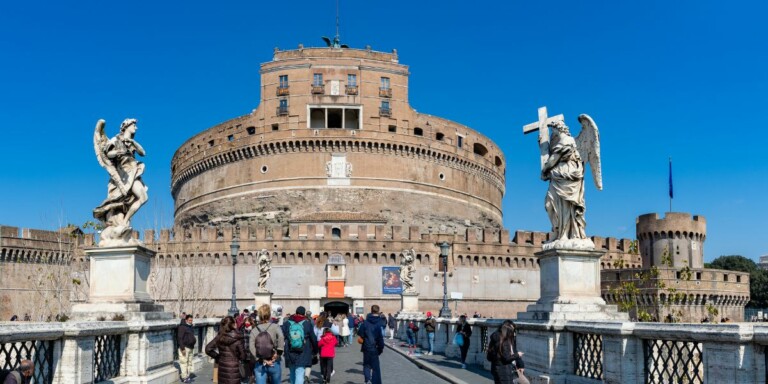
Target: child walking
pixel 327 345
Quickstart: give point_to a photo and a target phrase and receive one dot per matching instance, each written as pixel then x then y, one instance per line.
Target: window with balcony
pixel 384 89
pixel 331 117
pixel 384 109
pixel 351 84
pixel 282 88
pixel 282 109
pixel 317 84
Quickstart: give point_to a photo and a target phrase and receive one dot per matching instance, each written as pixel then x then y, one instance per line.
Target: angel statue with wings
pixel 265 268
pixel 407 269
pixel 563 161
pixel 126 192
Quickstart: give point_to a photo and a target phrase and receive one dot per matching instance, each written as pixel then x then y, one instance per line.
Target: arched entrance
pixel 336 307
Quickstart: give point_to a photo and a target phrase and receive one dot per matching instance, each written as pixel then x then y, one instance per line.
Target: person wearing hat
pixel 429 326
pixel 300 345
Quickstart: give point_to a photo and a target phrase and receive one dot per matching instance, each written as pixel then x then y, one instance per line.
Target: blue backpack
pixel 296 335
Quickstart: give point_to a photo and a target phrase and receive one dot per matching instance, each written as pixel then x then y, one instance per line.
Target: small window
pixel 497 161
pixel 678 275
pixel 418 131
pixel 275 127
pixel 317 80
pixel 336 233
pixel 698 275
pixel 210 143
pixel 251 130
pixel 439 136
pixel 283 81
pixel 264 169
pixel 460 141
pixel 352 80
pixel 385 104
pixel 385 83
pixel 441 176
pixel 738 279
pixel 283 103
pixel 231 138
pixel 393 128
pixel 725 277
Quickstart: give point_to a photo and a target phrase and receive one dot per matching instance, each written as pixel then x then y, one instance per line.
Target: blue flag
pixel 671 191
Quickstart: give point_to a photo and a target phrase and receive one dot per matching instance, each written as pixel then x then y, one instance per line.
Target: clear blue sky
pixel 686 79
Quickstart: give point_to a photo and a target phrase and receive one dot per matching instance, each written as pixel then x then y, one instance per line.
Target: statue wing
pixel 100 141
pixel 588 143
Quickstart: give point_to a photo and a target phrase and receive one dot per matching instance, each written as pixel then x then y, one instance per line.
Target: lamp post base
pixel 445 313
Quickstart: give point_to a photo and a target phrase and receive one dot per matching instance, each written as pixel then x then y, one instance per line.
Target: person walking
pixel 429 326
pixel 249 361
pixel 327 344
pixel 411 333
pixel 227 349
pixel 506 361
pixel 300 345
pixel 392 323
pixel 345 332
pixel 259 345
pixel 185 337
pixel 372 346
pixel 352 328
pixel 465 330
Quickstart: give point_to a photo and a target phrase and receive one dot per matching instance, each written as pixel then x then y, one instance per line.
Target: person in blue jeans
pixel 298 358
pixel 372 347
pixel 429 326
pixel 267 368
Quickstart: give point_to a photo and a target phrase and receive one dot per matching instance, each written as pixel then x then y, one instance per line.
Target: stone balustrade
pixel 91 352
pixel 618 352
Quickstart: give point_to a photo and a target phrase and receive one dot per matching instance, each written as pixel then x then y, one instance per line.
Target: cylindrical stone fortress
pixel 334 133
pixel 677 237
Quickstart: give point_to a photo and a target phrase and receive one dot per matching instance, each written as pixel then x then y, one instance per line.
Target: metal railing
pixel 352 90
pixel 588 355
pixel 282 110
pixel 385 92
pixel 107 356
pixel 283 91
pixel 385 112
pixel 671 361
pixel 40 352
pixel 318 89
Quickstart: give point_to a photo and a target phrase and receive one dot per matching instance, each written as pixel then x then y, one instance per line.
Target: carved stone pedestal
pixel 570 288
pixel 262 297
pixel 409 304
pixel 118 286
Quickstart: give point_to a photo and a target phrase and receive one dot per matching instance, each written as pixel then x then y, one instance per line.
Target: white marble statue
pixel 407 269
pixel 265 268
pixel 563 160
pixel 126 192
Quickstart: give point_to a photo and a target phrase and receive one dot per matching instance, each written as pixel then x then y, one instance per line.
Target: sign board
pixel 457 296
pixel 335 289
pixel 390 281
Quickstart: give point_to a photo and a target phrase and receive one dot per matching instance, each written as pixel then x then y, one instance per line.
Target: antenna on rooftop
pixel 336 43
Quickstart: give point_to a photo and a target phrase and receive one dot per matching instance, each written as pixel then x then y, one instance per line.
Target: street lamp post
pixel 234 248
pixel 445 312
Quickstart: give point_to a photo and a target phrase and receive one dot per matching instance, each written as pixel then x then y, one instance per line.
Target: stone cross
pixel 541 126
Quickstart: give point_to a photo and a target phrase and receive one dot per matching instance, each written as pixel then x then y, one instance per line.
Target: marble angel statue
pixel 563 167
pixel 126 192
pixel 406 270
pixel 265 268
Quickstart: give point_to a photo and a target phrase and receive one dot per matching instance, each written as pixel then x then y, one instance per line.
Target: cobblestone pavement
pixel 396 369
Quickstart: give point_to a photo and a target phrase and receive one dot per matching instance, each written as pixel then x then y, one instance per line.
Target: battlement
pixel 38 246
pixel 336 53
pixel 674 222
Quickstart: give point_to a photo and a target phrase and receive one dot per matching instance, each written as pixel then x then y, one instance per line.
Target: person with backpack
pixel 369 335
pixel 465 330
pixel 411 334
pixel 300 345
pixel 266 344
pixel 20 375
pixel 327 344
pixel 506 361
pixel 429 326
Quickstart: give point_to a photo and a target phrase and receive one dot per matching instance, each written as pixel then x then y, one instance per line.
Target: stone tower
pixel 679 234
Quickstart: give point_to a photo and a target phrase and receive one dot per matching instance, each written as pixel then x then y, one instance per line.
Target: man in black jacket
pixel 185 336
pixel 373 346
pixel 297 359
pixel 392 323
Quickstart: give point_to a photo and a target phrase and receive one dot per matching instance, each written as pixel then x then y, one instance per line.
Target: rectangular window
pixel 460 141
pixel 231 138
pixel 334 117
pixel 283 81
pixel 385 83
pixel 393 128
pixel 275 127
pixel 318 80
pixel 352 80
pixel 385 104
pixel 283 103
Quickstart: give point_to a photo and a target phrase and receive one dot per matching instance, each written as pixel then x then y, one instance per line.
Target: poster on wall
pixel 390 281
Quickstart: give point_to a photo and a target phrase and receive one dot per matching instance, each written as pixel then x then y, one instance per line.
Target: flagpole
pixel 671 191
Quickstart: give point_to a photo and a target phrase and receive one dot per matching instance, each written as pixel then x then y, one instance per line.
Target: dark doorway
pixel 336 307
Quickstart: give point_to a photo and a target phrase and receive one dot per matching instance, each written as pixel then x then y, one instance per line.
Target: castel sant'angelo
pixel 336 175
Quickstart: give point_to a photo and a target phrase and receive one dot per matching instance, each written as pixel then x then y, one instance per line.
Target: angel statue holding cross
pixel 563 159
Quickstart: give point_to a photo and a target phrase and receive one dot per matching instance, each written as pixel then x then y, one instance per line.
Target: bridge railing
pixel 620 352
pixel 84 352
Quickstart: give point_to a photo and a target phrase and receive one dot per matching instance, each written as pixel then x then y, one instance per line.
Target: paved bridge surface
pixel 396 367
